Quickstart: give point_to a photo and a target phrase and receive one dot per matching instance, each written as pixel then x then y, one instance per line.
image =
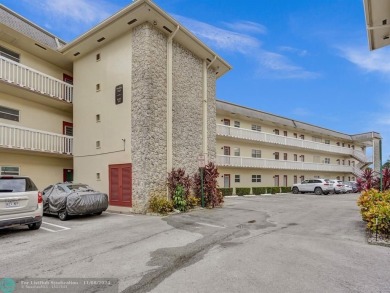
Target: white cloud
pixel 247 26
pixel 374 61
pixel 270 64
pixel 221 38
pixel 296 51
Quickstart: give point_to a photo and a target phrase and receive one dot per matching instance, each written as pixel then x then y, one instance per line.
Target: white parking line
pixel 210 225
pixel 47 229
pixel 63 228
pixel 120 214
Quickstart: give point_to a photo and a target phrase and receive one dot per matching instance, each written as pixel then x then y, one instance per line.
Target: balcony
pixel 245 162
pixel 247 134
pixel 25 77
pixel 20 138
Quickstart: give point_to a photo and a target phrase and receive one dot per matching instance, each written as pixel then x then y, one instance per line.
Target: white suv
pixel 20 202
pixel 318 186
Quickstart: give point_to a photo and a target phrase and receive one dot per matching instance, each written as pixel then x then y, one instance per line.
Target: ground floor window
pixel 256 178
pixel 8 170
pixel 237 178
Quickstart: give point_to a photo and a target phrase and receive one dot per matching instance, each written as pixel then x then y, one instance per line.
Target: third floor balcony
pixel 270 138
pixel 24 77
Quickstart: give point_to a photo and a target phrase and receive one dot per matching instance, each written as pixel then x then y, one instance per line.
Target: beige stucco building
pixel 143 102
pixel 121 105
pixel 259 149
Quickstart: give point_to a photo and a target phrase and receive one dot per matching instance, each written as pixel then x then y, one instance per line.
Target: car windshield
pixel 16 185
pixel 79 187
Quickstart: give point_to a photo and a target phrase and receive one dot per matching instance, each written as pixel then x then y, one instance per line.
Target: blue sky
pixel 305 59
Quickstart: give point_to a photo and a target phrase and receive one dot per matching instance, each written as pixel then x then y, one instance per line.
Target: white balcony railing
pixel 16 137
pixel 26 77
pixel 248 134
pixel 246 162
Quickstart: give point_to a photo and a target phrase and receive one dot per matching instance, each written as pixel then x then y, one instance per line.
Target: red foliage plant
pixel 178 177
pixel 212 196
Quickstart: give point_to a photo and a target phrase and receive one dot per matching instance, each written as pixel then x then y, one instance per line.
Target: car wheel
pixel 35 226
pixel 318 191
pixel 326 193
pixel 63 215
pixel 295 190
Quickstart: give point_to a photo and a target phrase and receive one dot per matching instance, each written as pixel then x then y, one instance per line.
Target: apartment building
pixel 258 149
pixel 36 95
pixel 142 102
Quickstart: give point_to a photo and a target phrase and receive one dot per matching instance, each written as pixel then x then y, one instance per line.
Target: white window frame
pixel 256 153
pixel 236 152
pixel 237 178
pixel 237 124
pixel 256 127
pixel 10 113
pixel 256 178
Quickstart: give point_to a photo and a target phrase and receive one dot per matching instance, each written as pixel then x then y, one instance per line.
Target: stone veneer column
pixel 148 114
pixel 187 109
pixel 212 115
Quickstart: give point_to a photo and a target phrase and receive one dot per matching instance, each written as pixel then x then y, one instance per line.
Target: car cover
pixel 75 202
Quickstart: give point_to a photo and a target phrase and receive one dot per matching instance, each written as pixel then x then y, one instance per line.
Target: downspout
pixel 169 99
pixel 205 97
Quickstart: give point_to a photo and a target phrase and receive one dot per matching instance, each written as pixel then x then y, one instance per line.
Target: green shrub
pixel 160 204
pixel 285 189
pixel 179 201
pixel 226 191
pixel 240 191
pixel 375 210
pixel 258 190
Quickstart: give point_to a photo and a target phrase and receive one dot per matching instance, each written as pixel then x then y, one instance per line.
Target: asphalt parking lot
pixel 278 243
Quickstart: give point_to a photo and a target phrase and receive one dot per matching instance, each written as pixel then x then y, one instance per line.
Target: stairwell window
pixel 9 114
pixel 9 170
pixel 7 53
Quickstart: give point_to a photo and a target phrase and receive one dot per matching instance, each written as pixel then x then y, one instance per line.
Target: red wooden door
pixel 120 192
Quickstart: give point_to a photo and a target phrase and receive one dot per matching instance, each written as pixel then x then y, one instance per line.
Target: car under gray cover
pixel 67 199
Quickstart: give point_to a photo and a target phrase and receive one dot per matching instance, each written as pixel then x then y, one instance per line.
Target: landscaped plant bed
pixel 380 240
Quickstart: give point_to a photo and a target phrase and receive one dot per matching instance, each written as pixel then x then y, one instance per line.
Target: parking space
pixel 269 242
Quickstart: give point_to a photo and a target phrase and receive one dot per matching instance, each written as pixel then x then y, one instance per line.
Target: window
pixel 338 161
pixel 276 180
pixel 295 179
pixel 285 133
pixel 302 178
pixel 98 144
pixel 256 127
pixel 226 151
pixel 343 144
pixel 256 178
pixel 327 161
pixel 8 170
pixel 276 131
pixel 226 122
pixel 4 52
pixel 302 158
pixel 256 153
pixel 337 143
pixel 97 117
pixel 349 162
pixel 285 156
pixel 97 176
pixel 98 87
pixel 295 135
pixel 237 124
pixel 237 178
pixel 327 141
pixel 98 57
pixel 338 177
pixel 285 180
pixel 302 136
pixel 343 162
pixel 295 157
pixel 317 139
pixel 9 114
pixel 237 152
pixel 276 155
